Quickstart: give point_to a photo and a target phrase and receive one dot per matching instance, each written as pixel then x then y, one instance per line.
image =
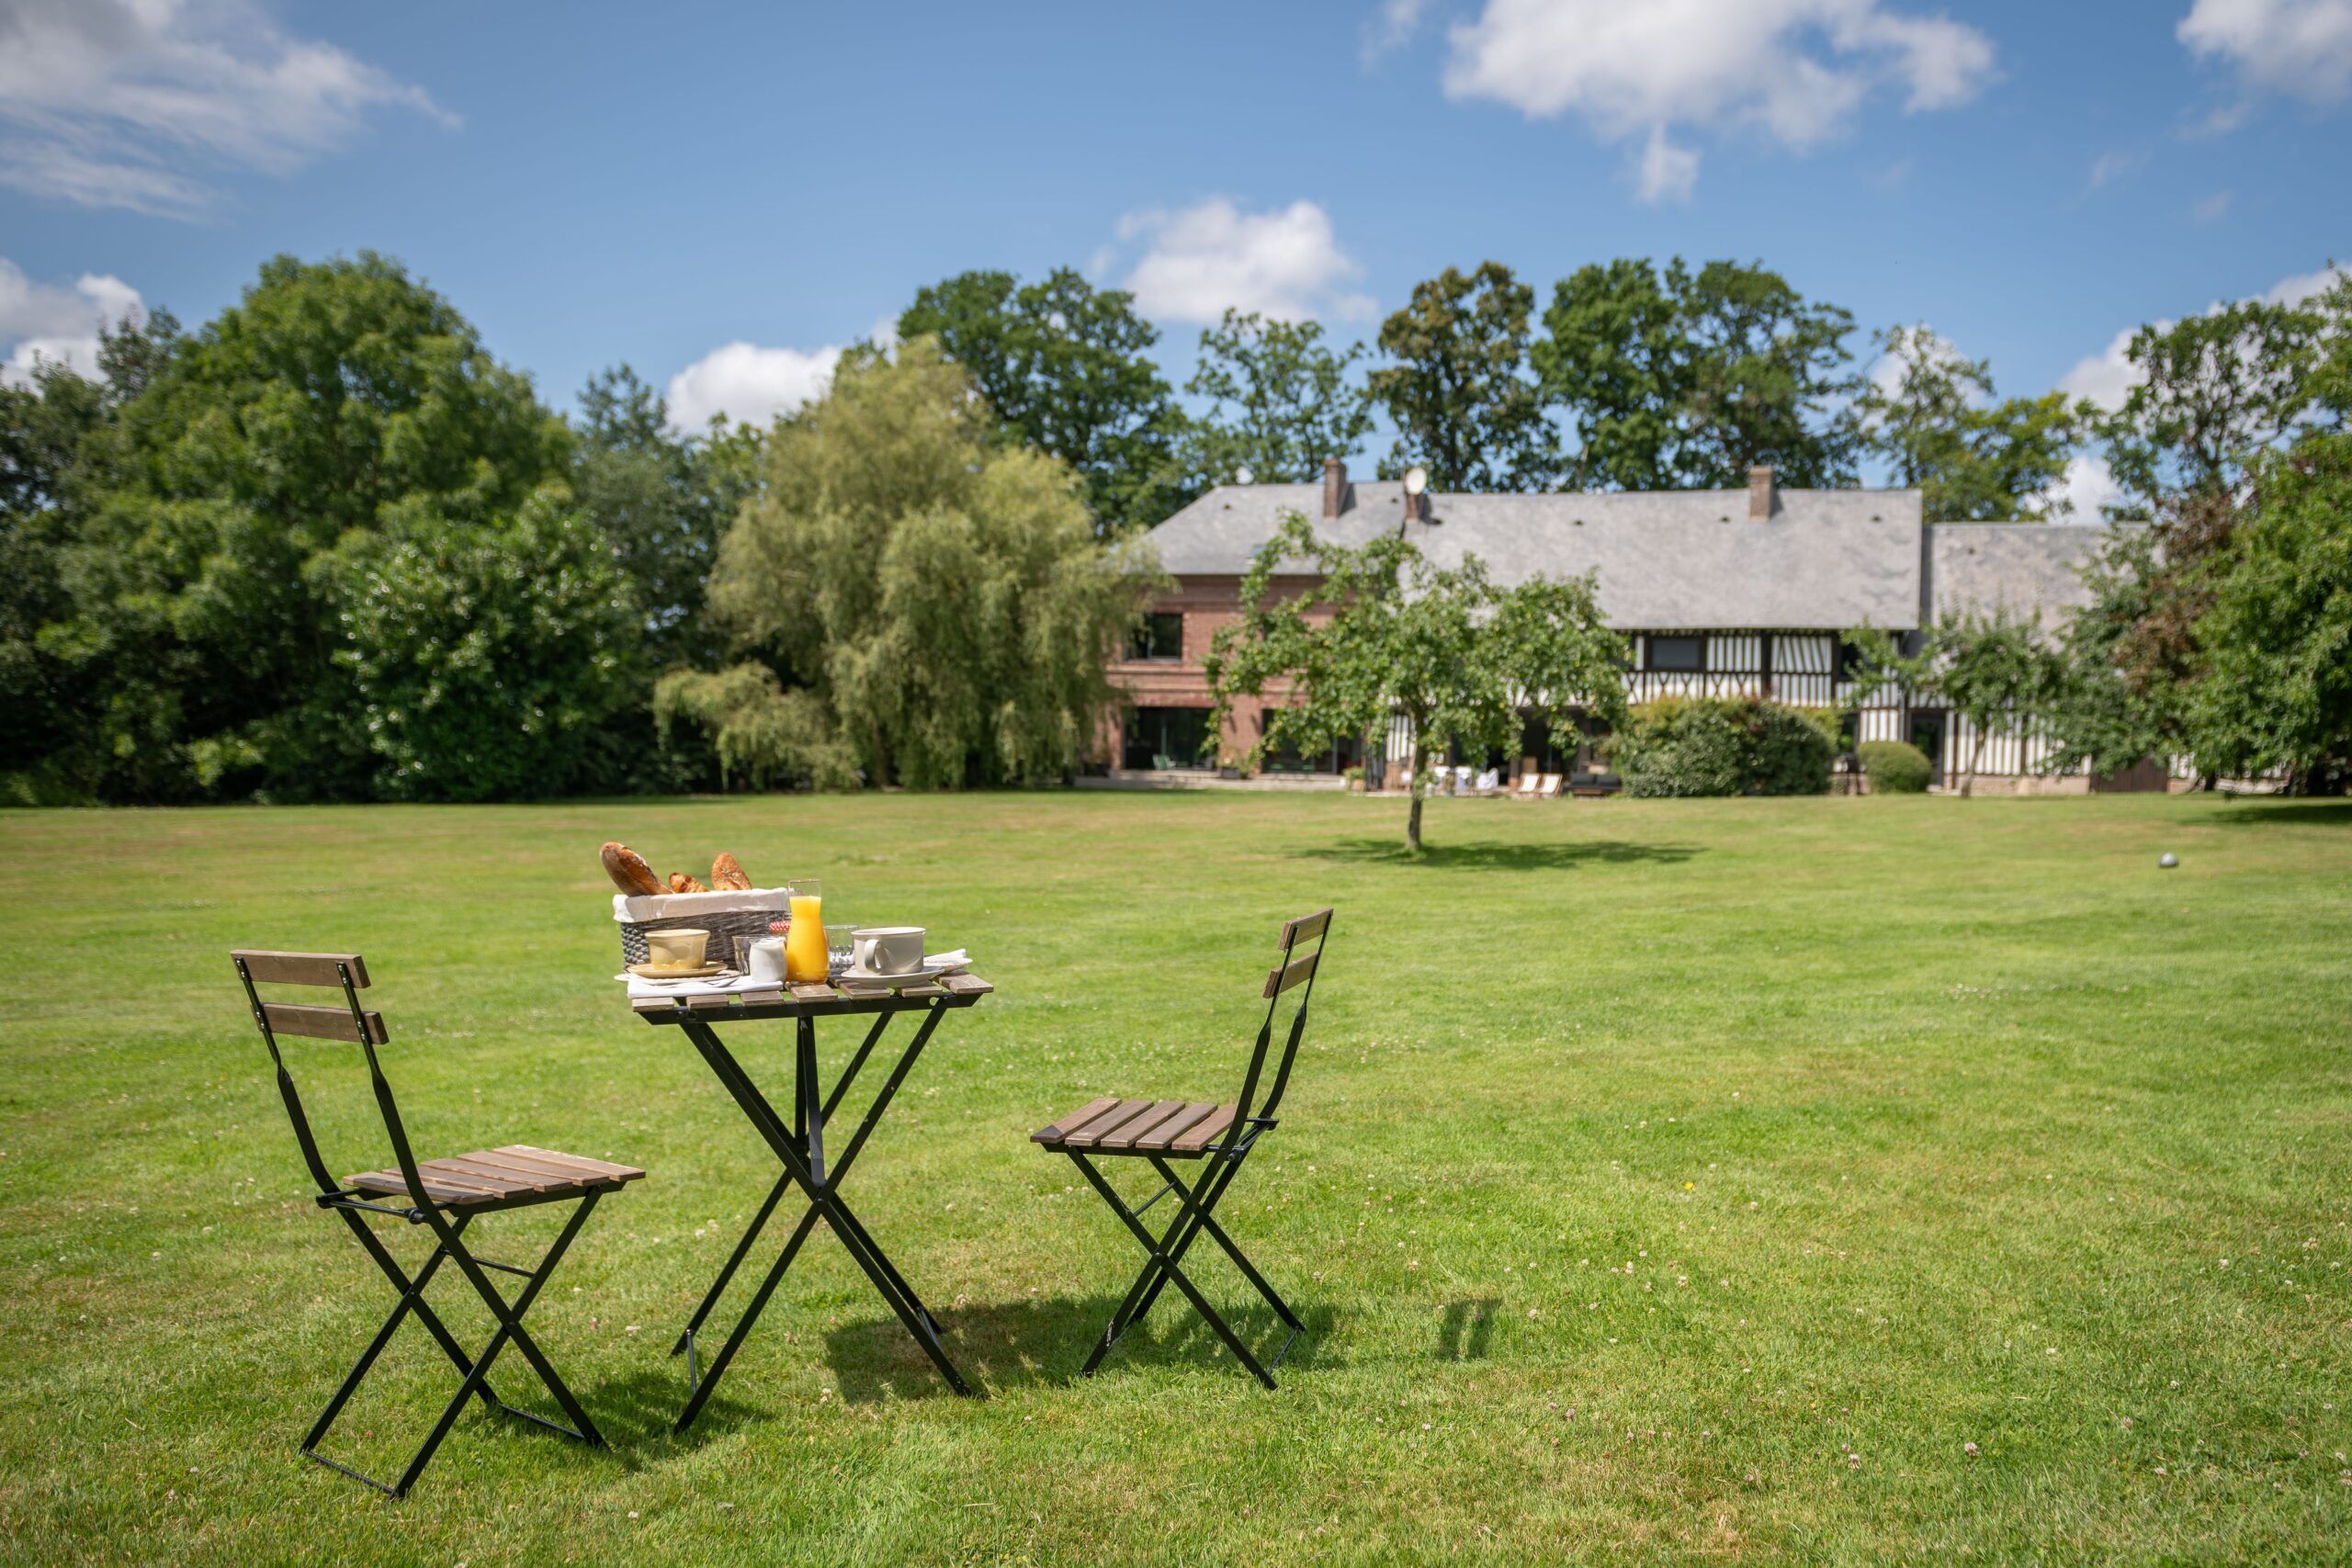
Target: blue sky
pixel 593 183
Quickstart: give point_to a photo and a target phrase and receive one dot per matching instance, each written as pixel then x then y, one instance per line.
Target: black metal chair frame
pixel 366 1029
pixel 800 1149
pixel 1221 1164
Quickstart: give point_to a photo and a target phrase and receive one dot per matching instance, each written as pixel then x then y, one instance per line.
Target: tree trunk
pixel 1975 755
pixel 881 755
pixel 1413 812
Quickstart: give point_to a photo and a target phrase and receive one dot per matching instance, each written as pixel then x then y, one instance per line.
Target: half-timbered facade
pixel 1720 592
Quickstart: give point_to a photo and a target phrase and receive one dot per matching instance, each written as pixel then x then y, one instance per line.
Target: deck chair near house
pixel 1489 780
pixel 1462 785
pixel 1526 790
pixel 1548 787
pixel 1219 1136
pixel 443 1195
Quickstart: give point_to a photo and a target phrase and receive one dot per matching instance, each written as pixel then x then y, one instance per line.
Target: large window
pixel 1332 759
pixel 1677 653
pixel 1166 738
pixel 1159 638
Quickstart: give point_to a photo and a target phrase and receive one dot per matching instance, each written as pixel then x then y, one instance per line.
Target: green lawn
pixel 1661 1182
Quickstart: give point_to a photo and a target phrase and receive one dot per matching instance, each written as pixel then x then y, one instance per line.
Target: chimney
pixel 1760 494
pixel 1335 486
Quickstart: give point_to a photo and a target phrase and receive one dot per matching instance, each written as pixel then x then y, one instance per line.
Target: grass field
pixel 1662 1181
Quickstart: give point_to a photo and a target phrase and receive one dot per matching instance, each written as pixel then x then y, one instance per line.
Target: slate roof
pixel 1685 559
pixel 2019 568
pixel 1666 560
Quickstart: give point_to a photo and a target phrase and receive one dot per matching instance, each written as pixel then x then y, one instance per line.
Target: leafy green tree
pixel 1280 402
pixel 2275 691
pixel 1991 669
pixel 1458 391
pixel 1384 631
pixel 46 425
pixel 334 399
pixel 1939 432
pixel 1683 380
pixel 941 595
pixel 2214 392
pixel 2118 699
pixel 1066 366
pixel 662 500
pixel 483 656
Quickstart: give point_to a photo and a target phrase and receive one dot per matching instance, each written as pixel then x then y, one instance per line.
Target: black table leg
pixel 801 1152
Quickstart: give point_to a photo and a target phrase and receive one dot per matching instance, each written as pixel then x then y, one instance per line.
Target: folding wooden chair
pixel 445 1195
pixel 1219 1136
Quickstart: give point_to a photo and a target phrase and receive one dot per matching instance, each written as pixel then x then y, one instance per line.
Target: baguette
pixel 628 871
pixel 680 883
pixel 727 873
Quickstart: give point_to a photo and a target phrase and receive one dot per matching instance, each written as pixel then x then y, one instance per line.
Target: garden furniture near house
pixel 1527 785
pixel 1220 1136
pixel 1548 787
pixel 447 1196
pixel 1489 780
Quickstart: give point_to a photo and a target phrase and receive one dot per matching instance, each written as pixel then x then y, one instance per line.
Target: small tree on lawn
pixel 1989 670
pixel 1381 630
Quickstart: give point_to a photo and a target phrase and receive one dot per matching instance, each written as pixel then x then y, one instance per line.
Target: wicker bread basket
pixel 734 919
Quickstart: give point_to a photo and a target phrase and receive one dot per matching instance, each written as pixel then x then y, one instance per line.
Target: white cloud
pixel 2108 376
pixel 2077 497
pixel 52 322
pixel 137 102
pixel 1795 69
pixel 749 384
pixel 2214 207
pixel 2299 47
pixel 1395 24
pixel 1200 262
pixel 2112 166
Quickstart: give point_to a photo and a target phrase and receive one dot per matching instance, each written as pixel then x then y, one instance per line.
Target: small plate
pixel 930 971
pixel 658 972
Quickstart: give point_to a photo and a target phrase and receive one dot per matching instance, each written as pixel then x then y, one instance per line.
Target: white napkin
pixel 629 906
pixel 716 986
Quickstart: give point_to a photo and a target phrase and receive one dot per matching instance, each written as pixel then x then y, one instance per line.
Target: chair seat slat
pixel 1054 1132
pixel 1141 1126
pixel 1205 1130
pixel 598 1166
pixel 1164 1135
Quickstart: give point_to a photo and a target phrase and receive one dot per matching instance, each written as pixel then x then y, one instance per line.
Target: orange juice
pixel 804 945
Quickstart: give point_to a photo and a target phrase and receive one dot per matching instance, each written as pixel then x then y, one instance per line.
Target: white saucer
pixel 932 970
pixel 658 972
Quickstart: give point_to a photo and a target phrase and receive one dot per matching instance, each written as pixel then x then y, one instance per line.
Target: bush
pixel 1711 747
pixel 1894 767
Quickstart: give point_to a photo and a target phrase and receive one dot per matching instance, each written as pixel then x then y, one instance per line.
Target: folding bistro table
pixel 800 1146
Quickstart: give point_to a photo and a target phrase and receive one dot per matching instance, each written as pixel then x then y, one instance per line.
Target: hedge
pixel 1696 746
pixel 1894 767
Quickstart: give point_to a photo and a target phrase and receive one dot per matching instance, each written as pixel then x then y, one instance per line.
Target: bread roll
pixel 628 871
pixel 680 883
pixel 727 873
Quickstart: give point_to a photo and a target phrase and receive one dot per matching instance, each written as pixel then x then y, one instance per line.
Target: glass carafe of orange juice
pixel 805 958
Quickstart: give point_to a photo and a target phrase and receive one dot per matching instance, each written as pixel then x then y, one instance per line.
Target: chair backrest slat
pixel 325 1024
pixel 303 968
pixel 1303 929
pixel 1283 976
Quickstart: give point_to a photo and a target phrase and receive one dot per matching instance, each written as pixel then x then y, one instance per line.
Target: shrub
pixel 1710 747
pixel 1895 767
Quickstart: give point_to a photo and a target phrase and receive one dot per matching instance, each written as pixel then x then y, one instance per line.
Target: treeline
pixel 327 547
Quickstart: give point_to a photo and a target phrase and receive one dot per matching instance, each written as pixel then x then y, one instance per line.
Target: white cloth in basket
pixel 630 908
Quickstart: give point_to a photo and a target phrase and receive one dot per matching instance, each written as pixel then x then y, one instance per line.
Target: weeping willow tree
pixel 911 597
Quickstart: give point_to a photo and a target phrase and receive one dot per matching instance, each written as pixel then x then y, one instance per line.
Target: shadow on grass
pixel 640 1412
pixel 1467 1331
pixel 1046 1339
pixel 2287 813
pixel 1500 857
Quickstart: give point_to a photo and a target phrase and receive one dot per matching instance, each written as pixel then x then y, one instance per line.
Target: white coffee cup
pixel 767 960
pixel 886 950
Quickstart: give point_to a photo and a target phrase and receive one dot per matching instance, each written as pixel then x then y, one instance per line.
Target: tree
pixel 661 500
pixel 2119 699
pixel 483 656
pixel 46 426
pixel 1940 433
pixel 1384 631
pixel 1280 401
pixel 1685 379
pixel 941 595
pixel 1458 391
pixel 1991 670
pixel 334 399
pixel 2275 691
pixel 1066 368
pixel 2214 392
